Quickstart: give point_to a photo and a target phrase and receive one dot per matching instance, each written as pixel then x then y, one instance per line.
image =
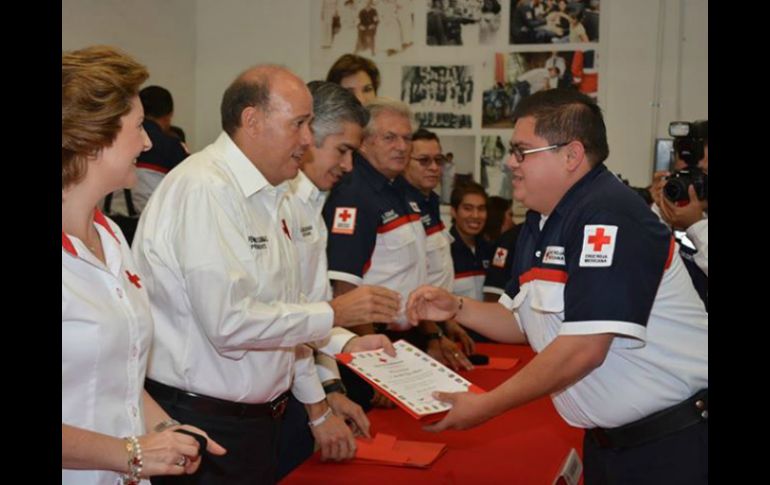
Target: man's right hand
pixel 431 303
pixel 365 304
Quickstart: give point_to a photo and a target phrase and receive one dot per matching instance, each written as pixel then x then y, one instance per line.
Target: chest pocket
pixel 401 245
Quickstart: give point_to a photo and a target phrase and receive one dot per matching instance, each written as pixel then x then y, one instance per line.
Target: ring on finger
pixel 181 461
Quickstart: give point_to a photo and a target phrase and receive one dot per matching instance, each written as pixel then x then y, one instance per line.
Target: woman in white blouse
pixel 106 323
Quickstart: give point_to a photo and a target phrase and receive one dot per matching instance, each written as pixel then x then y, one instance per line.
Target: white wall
pixel 158 33
pixel 647 78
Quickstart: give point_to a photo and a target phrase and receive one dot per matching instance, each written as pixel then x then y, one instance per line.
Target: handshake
pixel 367 304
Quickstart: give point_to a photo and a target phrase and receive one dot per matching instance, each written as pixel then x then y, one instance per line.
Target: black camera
pixel 689 145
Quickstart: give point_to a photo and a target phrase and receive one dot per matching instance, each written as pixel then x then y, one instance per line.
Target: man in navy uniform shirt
pixel 601 294
pixel 375 232
pixel 423 174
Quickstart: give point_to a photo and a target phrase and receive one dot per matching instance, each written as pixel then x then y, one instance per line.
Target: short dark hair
pixel 334 105
pixel 423 134
pixel 461 190
pixel 156 101
pixel 243 93
pixel 178 132
pixel 562 115
pixel 349 64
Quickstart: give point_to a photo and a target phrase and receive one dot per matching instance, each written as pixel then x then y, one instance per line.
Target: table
pixel 526 445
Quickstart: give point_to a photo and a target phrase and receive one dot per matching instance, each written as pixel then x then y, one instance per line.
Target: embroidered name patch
pixel 258 242
pixel 598 246
pixel 344 220
pixel 554 255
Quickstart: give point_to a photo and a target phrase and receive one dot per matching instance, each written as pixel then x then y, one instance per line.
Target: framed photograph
pixel 554 22
pixel 520 74
pixel 439 96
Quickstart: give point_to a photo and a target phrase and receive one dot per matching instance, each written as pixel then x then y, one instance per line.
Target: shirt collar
pixel 370 173
pixel 67 244
pixel 247 175
pixel 306 190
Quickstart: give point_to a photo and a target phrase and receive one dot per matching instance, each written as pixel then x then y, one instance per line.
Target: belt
pixel 657 425
pixel 214 406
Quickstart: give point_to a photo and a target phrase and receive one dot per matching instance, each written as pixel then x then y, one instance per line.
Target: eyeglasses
pixel 426 160
pixel 517 152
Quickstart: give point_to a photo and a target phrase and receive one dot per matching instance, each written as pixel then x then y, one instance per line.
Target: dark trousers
pixel 252 446
pixel 679 458
pixel 295 443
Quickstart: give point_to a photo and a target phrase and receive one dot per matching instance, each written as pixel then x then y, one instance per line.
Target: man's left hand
pixel 370 342
pixel 349 412
pixel 448 353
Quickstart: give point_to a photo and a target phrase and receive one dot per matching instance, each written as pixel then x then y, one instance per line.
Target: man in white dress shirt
pixel 223 276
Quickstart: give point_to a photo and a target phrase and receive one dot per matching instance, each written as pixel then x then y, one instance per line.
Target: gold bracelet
pixel 135 462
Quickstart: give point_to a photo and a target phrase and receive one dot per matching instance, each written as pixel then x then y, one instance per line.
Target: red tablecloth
pixel 524 446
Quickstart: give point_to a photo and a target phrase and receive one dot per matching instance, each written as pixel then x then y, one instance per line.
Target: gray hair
pixel 333 105
pixel 382 105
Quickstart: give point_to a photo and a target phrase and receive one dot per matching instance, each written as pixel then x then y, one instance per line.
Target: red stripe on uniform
pixel 67 244
pixel 438 227
pixel 468 274
pixel 671 248
pixel 101 220
pixel 554 275
pixel 153 167
pixel 398 223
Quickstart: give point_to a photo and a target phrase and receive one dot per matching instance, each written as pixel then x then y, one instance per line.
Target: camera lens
pixel 676 189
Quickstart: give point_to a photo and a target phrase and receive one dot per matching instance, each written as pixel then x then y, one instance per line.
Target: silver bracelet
pixel 321 419
pixel 164 425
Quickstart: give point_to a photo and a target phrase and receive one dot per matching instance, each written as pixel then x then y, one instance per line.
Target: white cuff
pixel 347 277
pixel 630 335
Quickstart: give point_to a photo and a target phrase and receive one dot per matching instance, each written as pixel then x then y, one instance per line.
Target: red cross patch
pixel 598 246
pixel 499 259
pixel 134 279
pixel 344 220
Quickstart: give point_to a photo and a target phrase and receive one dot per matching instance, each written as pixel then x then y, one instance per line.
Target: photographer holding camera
pixel 681 197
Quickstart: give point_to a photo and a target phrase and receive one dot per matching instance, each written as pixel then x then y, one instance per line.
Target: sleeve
pixel 352 227
pixel 306 385
pixel 698 233
pixel 614 268
pixel 222 291
pixel 326 367
pixel 335 342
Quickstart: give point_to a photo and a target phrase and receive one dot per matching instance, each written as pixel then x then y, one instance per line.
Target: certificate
pixel 409 378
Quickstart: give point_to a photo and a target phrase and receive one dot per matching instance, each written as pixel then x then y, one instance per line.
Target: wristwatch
pixel 335 385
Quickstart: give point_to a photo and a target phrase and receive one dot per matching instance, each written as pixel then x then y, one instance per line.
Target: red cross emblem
pixel 345 215
pixel 285 228
pixel 383 360
pixel 500 252
pixel 134 279
pixel 598 239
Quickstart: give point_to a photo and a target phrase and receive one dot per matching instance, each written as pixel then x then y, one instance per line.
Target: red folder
pixel 386 449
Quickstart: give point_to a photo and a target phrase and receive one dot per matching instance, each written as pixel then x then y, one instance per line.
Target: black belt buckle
pixel 278 406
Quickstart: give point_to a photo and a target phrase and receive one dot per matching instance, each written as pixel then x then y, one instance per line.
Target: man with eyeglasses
pixel 375 233
pixel 601 294
pixel 423 174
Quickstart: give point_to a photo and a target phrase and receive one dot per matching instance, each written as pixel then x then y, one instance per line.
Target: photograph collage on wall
pixel 460 153
pixel 439 96
pixel 462 66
